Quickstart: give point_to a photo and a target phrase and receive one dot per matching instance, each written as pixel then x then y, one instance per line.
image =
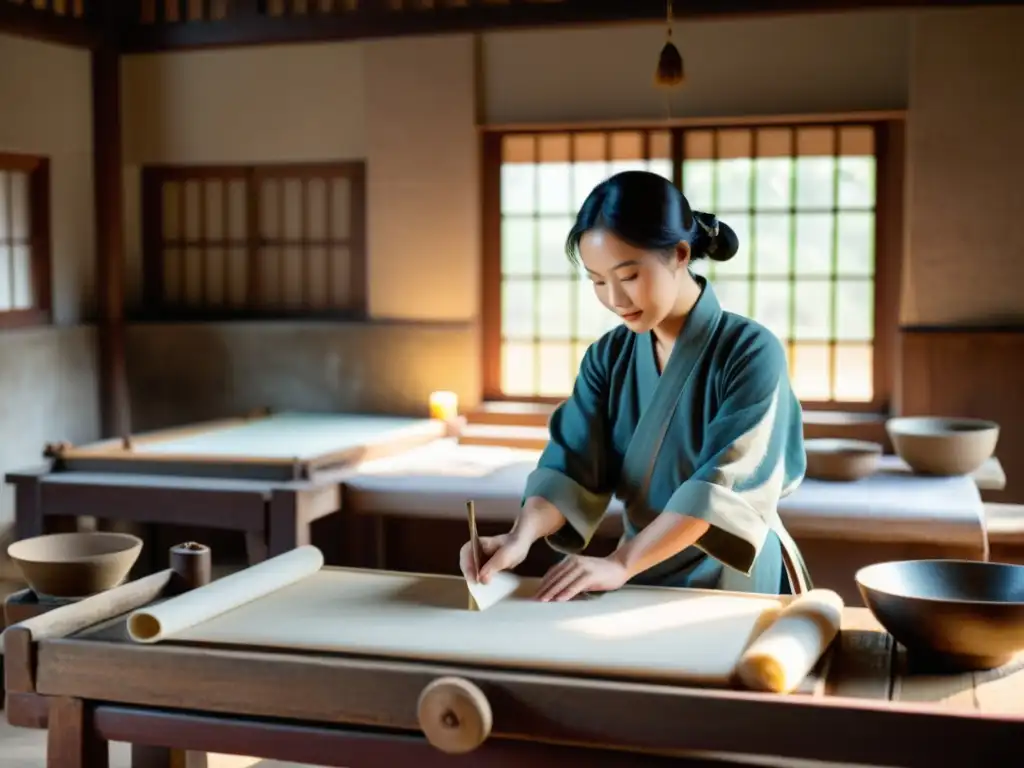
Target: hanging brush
pixel 670 72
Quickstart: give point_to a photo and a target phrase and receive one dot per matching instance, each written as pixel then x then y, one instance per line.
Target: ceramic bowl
pixel 75 565
pixel 949 614
pixel 934 445
pixel 841 460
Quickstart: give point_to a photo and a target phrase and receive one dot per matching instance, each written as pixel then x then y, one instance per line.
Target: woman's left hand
pixel 577 574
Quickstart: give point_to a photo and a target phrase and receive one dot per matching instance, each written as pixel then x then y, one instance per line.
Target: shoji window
pixel 809 205
pixel 24 240
pixel 255 241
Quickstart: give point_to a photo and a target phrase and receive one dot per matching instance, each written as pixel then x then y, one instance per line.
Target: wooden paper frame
pixel 115 456
pixel 361 711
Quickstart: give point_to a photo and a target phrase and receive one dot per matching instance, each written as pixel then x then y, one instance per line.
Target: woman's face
pixel 639 286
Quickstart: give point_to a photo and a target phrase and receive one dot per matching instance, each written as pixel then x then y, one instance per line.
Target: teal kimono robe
pixel 718 436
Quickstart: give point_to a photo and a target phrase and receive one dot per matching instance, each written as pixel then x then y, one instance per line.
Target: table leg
pixel 28 508
pixel 287 526
pixel 255 546
pixel 71 742
pixel 29 515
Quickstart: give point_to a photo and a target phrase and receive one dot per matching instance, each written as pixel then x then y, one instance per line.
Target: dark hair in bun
pixel 648 212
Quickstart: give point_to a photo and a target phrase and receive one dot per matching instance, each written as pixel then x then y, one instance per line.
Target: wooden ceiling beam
pixel 23 20
pixel 374 19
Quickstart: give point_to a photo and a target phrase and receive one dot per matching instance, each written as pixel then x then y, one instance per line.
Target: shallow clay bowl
pixel 841 460
pixel 74 565
pixel 932 445
pixel 949 614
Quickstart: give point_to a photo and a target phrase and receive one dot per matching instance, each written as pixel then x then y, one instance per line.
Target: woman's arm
pixel 537 519
pixel 568 493
pixel 577 472
pixel 666 536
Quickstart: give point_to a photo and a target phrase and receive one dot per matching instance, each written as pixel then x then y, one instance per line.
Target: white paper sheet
pixel 497 589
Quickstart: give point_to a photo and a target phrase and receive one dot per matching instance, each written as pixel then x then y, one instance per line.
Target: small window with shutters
pixel 24 240
pixel 231 242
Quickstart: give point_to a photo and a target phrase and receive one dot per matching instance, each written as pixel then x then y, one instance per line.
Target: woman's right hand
pixel 537 519
pixel 501 553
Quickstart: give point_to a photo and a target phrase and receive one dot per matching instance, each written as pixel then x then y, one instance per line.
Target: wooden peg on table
pixel 192 565
pixel 454 715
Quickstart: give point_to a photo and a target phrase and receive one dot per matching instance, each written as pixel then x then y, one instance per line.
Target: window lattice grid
pixel 801 198
pixel 285 240
pixel 802 201
pixel 16 289
pixel 550 314
pixel 24 240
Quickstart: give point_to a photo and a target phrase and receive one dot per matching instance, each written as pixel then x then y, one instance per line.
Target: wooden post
pixel 192 566
pixel 28 507
pixel 71 741
pixel 108 185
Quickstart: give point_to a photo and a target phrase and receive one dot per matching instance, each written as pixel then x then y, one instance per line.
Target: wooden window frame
pixel 889 153
pixel 38 171
pixel 154 176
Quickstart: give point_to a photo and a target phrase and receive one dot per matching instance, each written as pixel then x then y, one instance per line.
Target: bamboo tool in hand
pixel 478 560
pixel 474 539
pixel 500 585
pixel 475 550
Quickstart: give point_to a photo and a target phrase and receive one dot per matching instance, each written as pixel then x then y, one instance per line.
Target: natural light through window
pixel 801 198
pixel 16 291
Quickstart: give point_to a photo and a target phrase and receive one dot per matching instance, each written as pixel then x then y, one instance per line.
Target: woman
pixel 684 412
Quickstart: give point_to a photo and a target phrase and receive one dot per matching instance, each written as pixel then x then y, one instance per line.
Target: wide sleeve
pixel 752 455
pixel 575 471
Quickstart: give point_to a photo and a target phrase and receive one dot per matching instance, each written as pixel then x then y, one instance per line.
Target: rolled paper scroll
pixel 783 655
pixel 158 622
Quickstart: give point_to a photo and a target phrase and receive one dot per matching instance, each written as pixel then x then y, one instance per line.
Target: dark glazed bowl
pixel 952 614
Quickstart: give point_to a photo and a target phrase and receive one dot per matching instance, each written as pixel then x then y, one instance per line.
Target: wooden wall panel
pixel 977 373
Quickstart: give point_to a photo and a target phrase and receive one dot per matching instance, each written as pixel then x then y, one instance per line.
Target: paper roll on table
pixel 157 622
pixel 783 655
pixel 778 660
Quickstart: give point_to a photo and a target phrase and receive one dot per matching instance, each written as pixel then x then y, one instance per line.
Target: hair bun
pixel 717 240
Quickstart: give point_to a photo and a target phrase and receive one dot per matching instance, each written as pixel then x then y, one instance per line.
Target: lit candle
pixel 444 406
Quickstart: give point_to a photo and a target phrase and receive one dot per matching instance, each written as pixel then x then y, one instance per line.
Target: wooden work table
pixel 405 511
pixel 72 670
pixel 267 476
pixel 399 481
pixel 866 654
pixel 990 476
